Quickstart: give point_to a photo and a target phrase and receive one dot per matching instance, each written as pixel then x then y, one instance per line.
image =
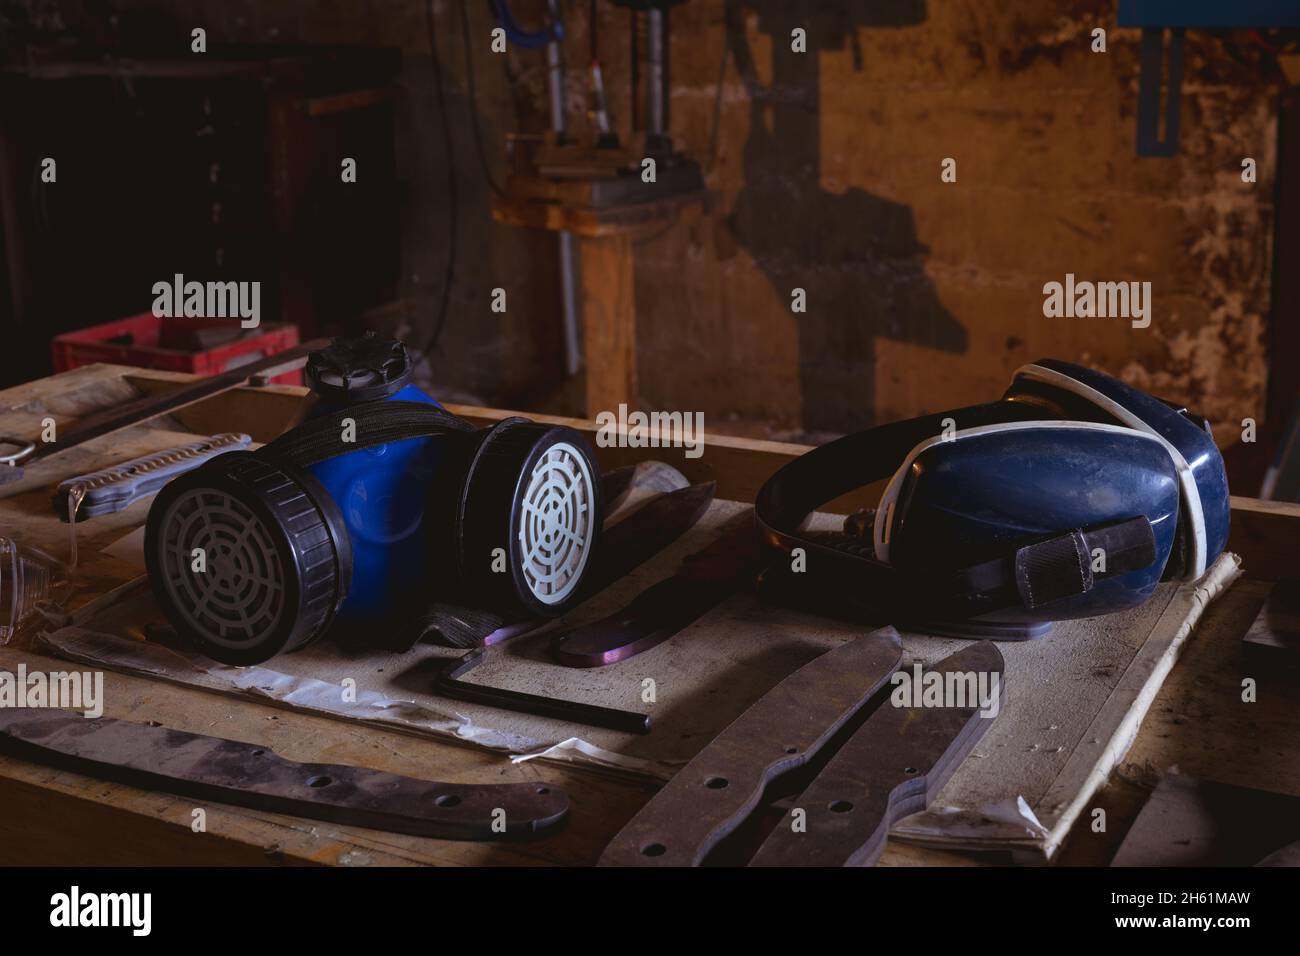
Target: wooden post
pixel 608 301
pixel 609 322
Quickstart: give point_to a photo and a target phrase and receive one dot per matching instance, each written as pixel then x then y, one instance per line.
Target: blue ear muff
pixel 1203 482
pixel 1074 496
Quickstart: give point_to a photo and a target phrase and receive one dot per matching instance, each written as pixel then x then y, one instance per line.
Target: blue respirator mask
pixel 1073 496
pixel 377 506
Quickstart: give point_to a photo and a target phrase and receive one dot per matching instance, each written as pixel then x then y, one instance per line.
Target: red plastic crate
pixel 135 341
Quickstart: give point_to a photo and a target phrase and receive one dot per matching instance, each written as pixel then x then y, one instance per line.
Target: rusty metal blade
pixel 661 610
pixel 892 766
pixel 655 615
pixel 715 792
pixel 647 531
pixel 246 775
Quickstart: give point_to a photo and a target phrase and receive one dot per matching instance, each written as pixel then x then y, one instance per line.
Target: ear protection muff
pixel 1187 438
pixel 1074 495
pixel 250 555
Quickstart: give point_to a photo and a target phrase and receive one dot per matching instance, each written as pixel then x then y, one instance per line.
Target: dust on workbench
pixel 1070 695
pixel 1074 698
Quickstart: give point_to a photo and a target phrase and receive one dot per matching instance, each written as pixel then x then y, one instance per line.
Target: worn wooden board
pixel 1085 711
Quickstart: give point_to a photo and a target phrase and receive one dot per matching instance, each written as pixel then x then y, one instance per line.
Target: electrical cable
pixel 717 104
pixel 472 89
pixel 452 193
pixel 634 24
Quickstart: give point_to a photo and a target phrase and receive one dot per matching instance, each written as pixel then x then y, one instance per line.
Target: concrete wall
pixel 826 167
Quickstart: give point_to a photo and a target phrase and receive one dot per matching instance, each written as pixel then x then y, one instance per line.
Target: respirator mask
pixel 377 504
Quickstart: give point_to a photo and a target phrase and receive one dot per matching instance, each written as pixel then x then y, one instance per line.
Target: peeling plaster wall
pixel 1048 182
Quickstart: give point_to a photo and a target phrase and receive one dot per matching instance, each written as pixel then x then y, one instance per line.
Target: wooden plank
pixel 633 221
pixel 1265 534
pixel 608 323
pixel 739 465
pixel 1116 726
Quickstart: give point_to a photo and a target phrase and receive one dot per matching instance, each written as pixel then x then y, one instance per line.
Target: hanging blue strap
pixel 527 39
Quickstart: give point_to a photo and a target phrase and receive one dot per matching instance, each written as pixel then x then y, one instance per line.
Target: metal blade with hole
pixel 891 767
pixel 246 775
pixel 715 792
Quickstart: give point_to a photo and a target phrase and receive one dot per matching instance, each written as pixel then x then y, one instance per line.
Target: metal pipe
pixel 568 281
pixel 555 76
pixel 655 53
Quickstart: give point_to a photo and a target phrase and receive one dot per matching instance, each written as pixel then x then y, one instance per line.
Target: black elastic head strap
pixel 802 486
pixel 372 423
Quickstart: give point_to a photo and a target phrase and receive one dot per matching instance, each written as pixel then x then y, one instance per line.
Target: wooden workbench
pixel 55 817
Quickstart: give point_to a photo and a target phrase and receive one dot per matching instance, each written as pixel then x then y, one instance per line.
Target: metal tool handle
pixel 116 487
pixel 24 447
pixel 448 684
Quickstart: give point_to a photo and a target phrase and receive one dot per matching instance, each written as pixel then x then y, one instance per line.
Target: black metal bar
pixel 448 684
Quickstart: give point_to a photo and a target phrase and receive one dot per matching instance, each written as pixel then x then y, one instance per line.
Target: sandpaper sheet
pixel 1074 699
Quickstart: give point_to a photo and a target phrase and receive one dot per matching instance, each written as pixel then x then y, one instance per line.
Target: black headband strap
pixel 840 466
pixel 843 571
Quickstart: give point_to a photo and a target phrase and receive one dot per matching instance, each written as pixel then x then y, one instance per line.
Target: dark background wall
pixel 825 172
